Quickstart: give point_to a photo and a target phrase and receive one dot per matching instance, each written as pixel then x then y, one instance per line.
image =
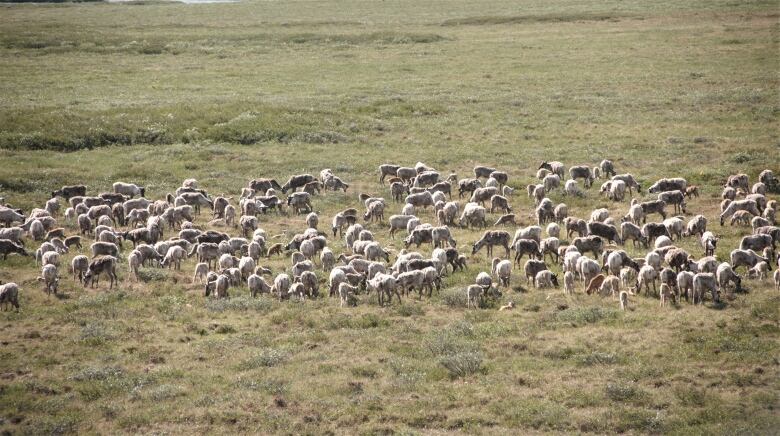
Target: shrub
pixel 556 353
pixel 98 301
pixel 644 421
pixel 454 297
pixel 410 310
pixel 598 358
pixel 363 38
pixel 350 321
pixel 622 392
pixel 745 157
pixel 170 306
pixel 690 396
pixel 766 309
pixel 151 48
pixel 225 329
pixel 405 373
pixel 159 393
pixel 97 373
pixel 462 364
pixel 147 275
pixel 322 137
pixel 446 344
pixel 539 18
pixel 585 315
pixel 273 387
pixel 266 357
pixel 461 328
pixel 242 303
pixel 369 320
pixel 95 333
pixel 537 414
pixel 362 371
pixel 51 425
pixel 456 350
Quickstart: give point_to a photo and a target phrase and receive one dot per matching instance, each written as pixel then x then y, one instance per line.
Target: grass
pixel 156 92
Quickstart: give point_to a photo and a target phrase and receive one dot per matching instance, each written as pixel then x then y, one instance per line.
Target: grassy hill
pixel 154 93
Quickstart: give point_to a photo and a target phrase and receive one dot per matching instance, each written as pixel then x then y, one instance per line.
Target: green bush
pixel 148 275
pixel 622 392
pixel 369 321
pixel 537 413
pixel 456 349
pixel 159 393
pixel 266 357
pixel 462 364
pixel 224 329
pixel 446 343
pixel 455 297
pixel 242 303
pixel 351 321
pixel 96 333
pixel 586 315
pixel 405 373
pixel 170 306
pixel 98 373
pixel 557 353
pixel 273 387
pixel 598 358
pixel 407 309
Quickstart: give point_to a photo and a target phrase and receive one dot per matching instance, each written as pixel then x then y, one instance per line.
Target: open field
pixel 154 93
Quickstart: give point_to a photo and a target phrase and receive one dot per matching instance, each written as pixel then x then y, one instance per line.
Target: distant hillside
pixel 50 1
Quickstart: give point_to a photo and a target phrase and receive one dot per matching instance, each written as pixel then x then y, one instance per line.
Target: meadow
pixel 156 92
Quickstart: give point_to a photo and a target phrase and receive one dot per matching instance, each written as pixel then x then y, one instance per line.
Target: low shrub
pixel 266 357
pixel 242 303
pixel 462 364
pixel 586 315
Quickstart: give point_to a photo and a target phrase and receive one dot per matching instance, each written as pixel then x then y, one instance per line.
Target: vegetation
pixel 50 1
pixel 155 92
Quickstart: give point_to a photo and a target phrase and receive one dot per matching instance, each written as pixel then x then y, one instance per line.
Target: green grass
pixel 156 92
